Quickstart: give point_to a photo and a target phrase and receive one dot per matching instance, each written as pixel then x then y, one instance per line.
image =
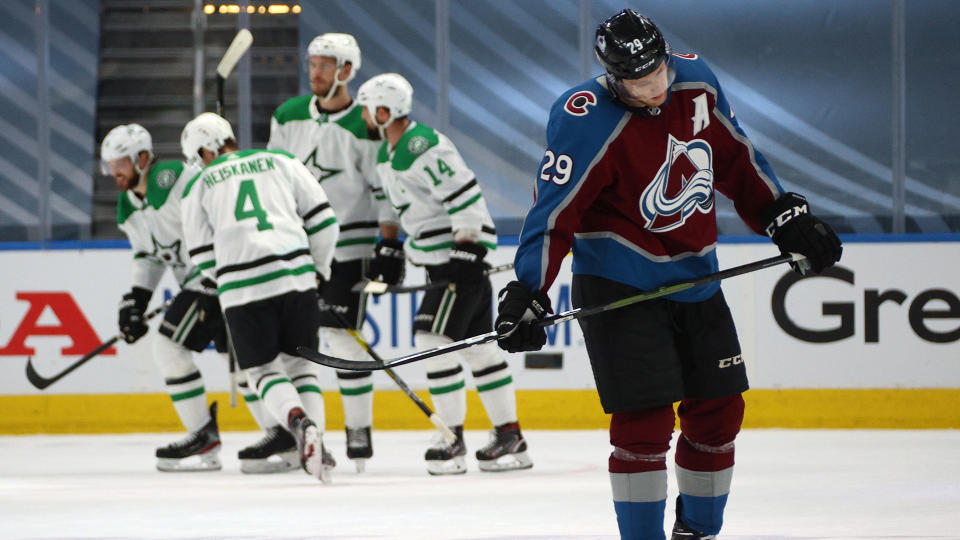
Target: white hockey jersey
pixel 338 151
pixel 257 222
pixel 153 226
pixel 435 194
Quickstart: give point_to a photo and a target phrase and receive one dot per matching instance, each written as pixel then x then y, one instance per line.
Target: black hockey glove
pixel 389 264
pixel 209 302
pixel 467 268
pixel 519 308
pixel 795 230
pixel 130 320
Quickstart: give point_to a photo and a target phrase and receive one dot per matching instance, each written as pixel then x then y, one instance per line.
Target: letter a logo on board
pixel 72 324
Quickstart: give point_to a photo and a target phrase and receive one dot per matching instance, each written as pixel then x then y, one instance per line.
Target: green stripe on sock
pixel 356 391
pixel 188 394
pixel 495 384
pixel 446 389
pixel 309 388
pixel 270 384
pixel 251 397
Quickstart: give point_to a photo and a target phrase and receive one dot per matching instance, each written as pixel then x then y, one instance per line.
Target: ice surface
pixel 788 484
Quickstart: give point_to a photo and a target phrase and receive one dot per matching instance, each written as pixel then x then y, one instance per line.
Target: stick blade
pixel 241 42
pixel 35 379
pixel 339 363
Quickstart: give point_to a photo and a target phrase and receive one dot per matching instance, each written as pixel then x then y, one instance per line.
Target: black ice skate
pixel 359 447
pixel 682 531
pixel 276 452
pixel 444 458
pixel 506 451
pixel 314 458
pixel 204 444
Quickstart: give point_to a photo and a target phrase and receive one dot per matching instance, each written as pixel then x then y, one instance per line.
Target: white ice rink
pixel 803 484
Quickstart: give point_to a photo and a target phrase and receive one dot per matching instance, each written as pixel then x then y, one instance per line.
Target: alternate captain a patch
pixel 577 103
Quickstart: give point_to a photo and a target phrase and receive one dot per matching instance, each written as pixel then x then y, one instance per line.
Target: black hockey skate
pixel 314 458
pixel 445 458
pixel 506 451
pixel 276 452
pixel 359 447
pixel 682 531
pixel 205 444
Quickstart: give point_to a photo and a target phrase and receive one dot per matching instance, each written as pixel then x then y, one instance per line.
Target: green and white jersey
pixel 153 226
pixel 435 193
pixel 336 148
pixel 258 223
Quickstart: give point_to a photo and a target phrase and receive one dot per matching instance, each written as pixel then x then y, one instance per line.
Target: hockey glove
pixel 389 262
pixel 519 308
pixel 130 320
pixel 466 265
pixel 795 230
pixel 209 303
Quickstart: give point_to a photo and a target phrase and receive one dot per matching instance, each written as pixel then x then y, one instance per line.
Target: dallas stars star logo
pixel 169 255
pixel 321 172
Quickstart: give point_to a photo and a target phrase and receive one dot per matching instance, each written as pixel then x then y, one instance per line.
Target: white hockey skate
pixel 506 451
pixel 276 452
pixel 314 458
pixel 444 458
pixel 197 452
pixel 359 447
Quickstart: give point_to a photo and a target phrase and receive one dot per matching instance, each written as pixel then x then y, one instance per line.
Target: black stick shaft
pixel 41 382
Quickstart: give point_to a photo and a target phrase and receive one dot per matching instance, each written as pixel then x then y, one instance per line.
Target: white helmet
pixel 207 130
pixel 126 140
pixel 344 48
pixel 388 90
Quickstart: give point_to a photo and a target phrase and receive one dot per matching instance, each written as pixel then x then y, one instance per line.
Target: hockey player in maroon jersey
pixel 628 183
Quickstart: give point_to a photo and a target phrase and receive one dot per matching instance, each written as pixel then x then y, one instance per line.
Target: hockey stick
pixel 241 42
pixel 378 287
pixel 41 382
pixel 434 419
pixel 577 313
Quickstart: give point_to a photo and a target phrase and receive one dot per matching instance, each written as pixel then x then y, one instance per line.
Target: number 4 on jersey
pixel 248 191
pixel 443 168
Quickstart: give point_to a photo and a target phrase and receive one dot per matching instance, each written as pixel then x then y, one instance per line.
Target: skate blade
pixel 201 463
pixel 456 465
pixel 508 462
pixel 326 473
pixel 360 464
pixel 277 463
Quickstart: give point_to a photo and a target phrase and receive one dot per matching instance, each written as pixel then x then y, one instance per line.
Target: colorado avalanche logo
pixel 577 103
pixel 682 186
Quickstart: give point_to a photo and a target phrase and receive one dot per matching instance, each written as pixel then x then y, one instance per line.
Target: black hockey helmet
pixel 630 46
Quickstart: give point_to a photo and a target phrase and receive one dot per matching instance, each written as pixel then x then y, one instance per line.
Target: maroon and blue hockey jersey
pixel 633 194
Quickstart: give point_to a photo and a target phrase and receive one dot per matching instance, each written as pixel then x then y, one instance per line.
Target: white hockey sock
pixel 303 374
pixel 356 387
pixel 264 419
pixel 183 382
pixel 444 379
pixel 276 392
pixel 494 382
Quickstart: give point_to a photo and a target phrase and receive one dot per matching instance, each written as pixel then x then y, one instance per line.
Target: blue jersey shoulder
pixel 692 68
pixel 582 119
